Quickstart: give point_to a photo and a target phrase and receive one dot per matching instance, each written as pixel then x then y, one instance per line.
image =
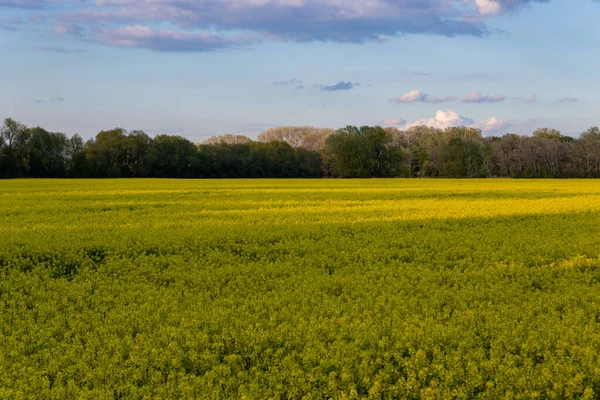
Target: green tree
pixel 78 163
pixel 13 155
pixel 465 159
pixel 309 163
pixel 547 133
pixel 171 156
pixel 47 153
pixel 275 159
pixel 108 153
pixel 137 144
pixel 362 153
pixel 223 160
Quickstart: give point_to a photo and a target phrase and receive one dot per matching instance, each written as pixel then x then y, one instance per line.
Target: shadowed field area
pixel 299 289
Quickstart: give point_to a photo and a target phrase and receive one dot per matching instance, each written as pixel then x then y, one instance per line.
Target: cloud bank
pixel 449 118
pixel 208 25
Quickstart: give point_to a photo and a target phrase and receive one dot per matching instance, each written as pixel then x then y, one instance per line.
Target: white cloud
pixel 488 7
pixel 413 96
pixel 492 125
pixel 448 118
pixel 443 119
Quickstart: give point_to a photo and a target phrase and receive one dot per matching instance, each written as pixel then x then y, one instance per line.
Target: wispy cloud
pixel 289 82
pixel 471 76
pixel 417 96
pixel 69 29
pixel 52 100
pixel 28 4
pixel 569 99
pixel 11 23
pixel 60 50
pixel 442 99
pixel 532 99
pixel 340 86
pixel 418 73
pixel 526 99
pixel 477 97
pixel 172 41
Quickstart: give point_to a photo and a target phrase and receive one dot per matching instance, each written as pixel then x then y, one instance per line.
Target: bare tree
pixel 228 139
pixel 306 137
pixel 587 153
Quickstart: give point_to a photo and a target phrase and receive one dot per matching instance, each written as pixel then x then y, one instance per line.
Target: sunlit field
pixel 291 289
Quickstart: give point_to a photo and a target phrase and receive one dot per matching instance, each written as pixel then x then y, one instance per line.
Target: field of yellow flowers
pixel 299 289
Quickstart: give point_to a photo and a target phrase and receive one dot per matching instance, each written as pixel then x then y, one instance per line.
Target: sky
pixel 199 68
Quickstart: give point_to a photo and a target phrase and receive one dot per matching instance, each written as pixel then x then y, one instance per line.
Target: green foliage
pixel 301 152
pixel 171 156
pixel 288 289
pixel 275 159
pixel 47 153
pixel 13 153
pixel 363 152
pixel 465 158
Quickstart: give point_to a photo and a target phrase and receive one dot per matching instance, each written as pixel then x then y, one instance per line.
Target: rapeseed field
pixel 299 289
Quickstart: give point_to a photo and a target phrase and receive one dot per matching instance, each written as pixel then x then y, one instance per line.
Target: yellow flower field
pixel 286 289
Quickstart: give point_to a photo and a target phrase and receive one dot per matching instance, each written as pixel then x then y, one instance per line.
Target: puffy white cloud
pixel 492 125
pixel 410 97
pixel 448 118
pixel 443 119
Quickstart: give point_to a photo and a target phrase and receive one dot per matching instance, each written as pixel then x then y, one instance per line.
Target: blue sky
pixel 199 68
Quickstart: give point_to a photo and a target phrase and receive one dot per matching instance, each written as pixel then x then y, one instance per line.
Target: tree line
pixel 300 152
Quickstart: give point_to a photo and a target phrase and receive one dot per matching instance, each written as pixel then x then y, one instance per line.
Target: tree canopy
pixel 300 152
